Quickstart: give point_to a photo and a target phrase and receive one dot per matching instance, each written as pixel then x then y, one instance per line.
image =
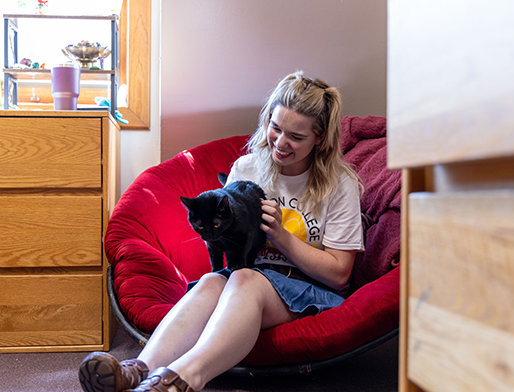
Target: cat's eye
pixel 200 227
pixel 216 225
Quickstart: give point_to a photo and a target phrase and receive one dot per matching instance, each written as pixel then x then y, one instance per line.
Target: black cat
pixel 228 220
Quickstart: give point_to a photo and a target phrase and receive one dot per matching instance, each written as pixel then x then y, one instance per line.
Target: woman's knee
pixel 212 283
pixel 249 279
pixel 274 309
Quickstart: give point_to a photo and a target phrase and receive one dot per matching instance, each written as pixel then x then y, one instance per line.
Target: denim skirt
pixel 301 297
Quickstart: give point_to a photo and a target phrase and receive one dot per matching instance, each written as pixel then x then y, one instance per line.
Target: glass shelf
pixel 44 74
pixel 89 78
pixel 45 16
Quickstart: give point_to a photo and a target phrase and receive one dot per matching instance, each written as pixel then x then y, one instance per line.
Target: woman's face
pixel 291 139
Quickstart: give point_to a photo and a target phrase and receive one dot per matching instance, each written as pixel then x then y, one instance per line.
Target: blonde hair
pixel 314 98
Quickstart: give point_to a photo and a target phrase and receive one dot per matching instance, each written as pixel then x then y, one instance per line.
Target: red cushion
pixel 367 314
pixel 156 253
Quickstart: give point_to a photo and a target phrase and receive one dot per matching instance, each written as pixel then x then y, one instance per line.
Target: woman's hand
pixel 330 266
pixel 272 215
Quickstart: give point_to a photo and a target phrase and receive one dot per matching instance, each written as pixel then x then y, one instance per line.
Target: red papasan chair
pixel 153 254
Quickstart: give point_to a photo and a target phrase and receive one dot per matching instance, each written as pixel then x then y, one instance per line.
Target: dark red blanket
pixel 364 145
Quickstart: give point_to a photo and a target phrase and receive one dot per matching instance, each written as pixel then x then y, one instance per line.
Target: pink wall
pixel 221 58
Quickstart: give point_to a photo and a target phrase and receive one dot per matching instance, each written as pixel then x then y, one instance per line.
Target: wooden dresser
pixel 59 181
pixel 451 130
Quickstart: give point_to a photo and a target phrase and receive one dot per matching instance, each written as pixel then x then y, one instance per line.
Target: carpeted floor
pixel 373 371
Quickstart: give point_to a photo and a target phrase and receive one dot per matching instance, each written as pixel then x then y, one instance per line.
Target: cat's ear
pixel 222 177
pixel 223 204
pixel 187 201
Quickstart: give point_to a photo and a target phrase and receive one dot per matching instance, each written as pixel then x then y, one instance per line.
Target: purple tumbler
pixel 65 85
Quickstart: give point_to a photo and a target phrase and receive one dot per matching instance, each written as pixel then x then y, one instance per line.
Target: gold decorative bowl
pixel 86 54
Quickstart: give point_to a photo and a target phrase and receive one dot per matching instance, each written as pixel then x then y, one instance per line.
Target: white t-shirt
pixel 339 225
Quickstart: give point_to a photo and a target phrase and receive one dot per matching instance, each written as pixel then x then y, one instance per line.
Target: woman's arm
pixel 330 266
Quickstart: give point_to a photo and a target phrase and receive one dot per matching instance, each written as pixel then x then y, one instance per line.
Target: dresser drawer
pixel 461 269
pixel 50 231
pixel 50 152
pixel 38 311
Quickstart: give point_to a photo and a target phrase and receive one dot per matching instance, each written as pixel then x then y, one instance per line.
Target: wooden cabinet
pixel 451 130
pixel 59 180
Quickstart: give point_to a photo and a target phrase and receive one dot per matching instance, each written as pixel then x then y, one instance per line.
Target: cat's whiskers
pixel 193 239
pixel 232 241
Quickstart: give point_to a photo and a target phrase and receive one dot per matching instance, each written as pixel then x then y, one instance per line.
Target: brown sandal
pixel 160 380
pixel 100 371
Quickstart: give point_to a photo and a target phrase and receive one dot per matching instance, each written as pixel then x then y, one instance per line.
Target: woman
pixel 313 226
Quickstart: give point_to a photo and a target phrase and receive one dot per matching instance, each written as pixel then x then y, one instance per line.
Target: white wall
pixel 141 149
pixel 221 58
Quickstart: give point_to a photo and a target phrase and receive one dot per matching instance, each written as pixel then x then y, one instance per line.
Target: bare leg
pixel 181 327
pixel 248 303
